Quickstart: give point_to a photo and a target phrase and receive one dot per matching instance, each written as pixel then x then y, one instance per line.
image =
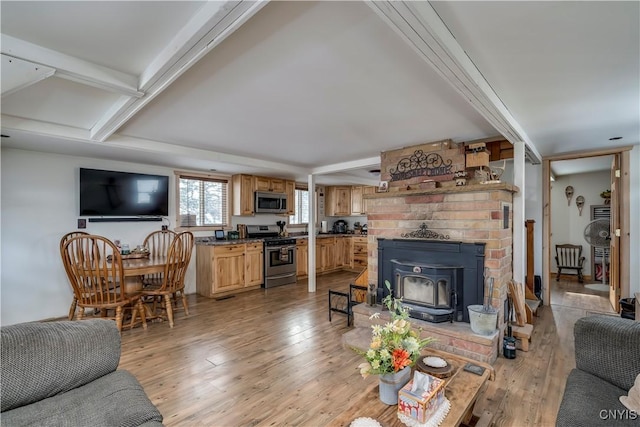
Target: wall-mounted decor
pixel 383 187
pixel 424 233
pixel 569 193
pixel 421 164
pixel 580 204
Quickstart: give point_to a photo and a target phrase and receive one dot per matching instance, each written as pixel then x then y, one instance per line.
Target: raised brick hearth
pixel 453 337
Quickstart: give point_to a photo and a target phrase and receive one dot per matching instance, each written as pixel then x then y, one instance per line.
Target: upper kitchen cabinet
pixel 357 201
pixel 338 200
pixel 243 199
pixel 290 191
pixel 275 185
pixel 346 200
pixel 245 186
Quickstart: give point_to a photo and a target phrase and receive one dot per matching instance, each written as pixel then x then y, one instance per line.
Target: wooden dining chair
pixel 172 283
pixel 187 240
pixel 94 267
pixel 65 239
pixel 158 243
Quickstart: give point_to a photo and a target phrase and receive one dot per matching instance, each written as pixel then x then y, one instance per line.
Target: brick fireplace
pixel 434 209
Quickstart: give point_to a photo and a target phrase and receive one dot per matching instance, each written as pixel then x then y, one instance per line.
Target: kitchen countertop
pixel 211 241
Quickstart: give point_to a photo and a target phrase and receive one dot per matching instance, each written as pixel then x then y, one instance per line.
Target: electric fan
pixel 597 234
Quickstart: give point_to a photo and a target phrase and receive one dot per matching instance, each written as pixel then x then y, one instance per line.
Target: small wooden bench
pixel 523 334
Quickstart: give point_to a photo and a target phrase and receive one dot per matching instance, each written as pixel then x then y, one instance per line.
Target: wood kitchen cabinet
pixel 344 252
pixel 254 264
pixel 290 191
pixel 360 253
pixel 224 268
pixel 325 254
pixel 276 185
pixel 228 267
pixel 302 257
pixel 338 201
pixel 358 206
pixel 243 190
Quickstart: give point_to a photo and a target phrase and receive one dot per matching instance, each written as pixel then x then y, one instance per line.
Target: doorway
pixel 574 204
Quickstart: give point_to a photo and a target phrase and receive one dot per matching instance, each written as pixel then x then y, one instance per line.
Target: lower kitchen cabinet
pixel 254 263
pixel 360 253
pixel 302 257
pixel 224 268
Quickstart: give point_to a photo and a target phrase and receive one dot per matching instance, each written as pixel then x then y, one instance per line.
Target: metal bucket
pixel 483 320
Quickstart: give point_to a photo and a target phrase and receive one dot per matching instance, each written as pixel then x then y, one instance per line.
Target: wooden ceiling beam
pixel 419 25
pixel 72 68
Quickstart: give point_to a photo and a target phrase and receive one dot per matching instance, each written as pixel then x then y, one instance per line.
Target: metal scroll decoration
pixel 580 204
pixel 569 193
pixel 424 233
pixel 421 164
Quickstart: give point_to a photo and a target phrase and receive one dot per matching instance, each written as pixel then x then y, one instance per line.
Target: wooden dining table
pixel 136 268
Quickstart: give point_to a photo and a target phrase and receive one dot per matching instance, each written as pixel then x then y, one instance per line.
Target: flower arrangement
pixel 395 345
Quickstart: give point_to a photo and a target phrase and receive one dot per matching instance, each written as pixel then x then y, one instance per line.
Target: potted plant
pixel 606 195
pixel 394 349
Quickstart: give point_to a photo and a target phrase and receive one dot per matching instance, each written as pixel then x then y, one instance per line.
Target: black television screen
pixel 109 193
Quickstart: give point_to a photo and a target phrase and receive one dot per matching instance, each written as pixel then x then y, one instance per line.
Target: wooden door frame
pixel 623 206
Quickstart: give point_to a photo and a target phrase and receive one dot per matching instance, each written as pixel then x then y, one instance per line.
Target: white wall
pixel 533 210
pixel 634 229
pixel 567 226
pixel 39 205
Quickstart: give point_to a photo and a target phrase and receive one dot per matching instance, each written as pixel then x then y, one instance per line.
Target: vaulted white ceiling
pixel 285 88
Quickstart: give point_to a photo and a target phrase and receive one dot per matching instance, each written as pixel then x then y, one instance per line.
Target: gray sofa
pixel 64 374
pixel 607 363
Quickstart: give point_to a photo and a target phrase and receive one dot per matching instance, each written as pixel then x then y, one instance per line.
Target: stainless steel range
pixel 279 255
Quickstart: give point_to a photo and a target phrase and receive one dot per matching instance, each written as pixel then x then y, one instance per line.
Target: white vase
pixel 390 385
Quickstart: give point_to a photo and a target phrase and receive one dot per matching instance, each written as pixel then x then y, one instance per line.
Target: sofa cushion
pixel 591 401
pixel 40 360
pixel 116 399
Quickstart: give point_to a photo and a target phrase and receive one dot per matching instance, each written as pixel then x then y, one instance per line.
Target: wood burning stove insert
pixel 455 268
pixel 430 292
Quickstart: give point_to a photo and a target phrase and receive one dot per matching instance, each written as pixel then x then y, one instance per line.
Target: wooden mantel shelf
pixel 473 188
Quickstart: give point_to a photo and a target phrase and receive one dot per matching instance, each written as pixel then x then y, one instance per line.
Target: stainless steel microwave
pixel 267 202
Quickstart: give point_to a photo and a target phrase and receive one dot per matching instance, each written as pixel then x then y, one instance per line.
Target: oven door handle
pixel 276 248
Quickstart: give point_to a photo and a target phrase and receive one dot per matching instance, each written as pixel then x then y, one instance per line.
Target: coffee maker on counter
pixel 340 226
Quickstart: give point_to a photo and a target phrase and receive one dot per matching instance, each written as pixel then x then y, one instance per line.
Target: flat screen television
pixel 111 193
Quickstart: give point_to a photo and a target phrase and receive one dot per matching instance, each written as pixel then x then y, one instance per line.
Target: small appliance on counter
pixel 364 229
pixel 340 226
pixel 323 227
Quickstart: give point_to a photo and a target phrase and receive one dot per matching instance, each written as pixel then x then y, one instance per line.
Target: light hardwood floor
pixel 271 358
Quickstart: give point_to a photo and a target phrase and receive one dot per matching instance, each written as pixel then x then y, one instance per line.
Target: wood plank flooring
pixel 271 358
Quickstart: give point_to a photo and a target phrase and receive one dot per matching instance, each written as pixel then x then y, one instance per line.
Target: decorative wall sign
pixel 421 164
pixel 580 204
pixel 569 193
pixel 424 233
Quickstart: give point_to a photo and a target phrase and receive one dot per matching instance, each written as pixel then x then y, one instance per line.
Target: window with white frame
pixel 203 200
pixel 301 215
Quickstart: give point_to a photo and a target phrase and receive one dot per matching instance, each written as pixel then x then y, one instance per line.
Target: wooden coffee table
pixel 462 389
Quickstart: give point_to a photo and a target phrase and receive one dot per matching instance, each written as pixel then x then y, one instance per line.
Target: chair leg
pixel 558 276
pixel 143 315
pixel 72 309
pixel 184 303
pixel 167 303
pixel 580 276
pixel 119 318
pixel 80 313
